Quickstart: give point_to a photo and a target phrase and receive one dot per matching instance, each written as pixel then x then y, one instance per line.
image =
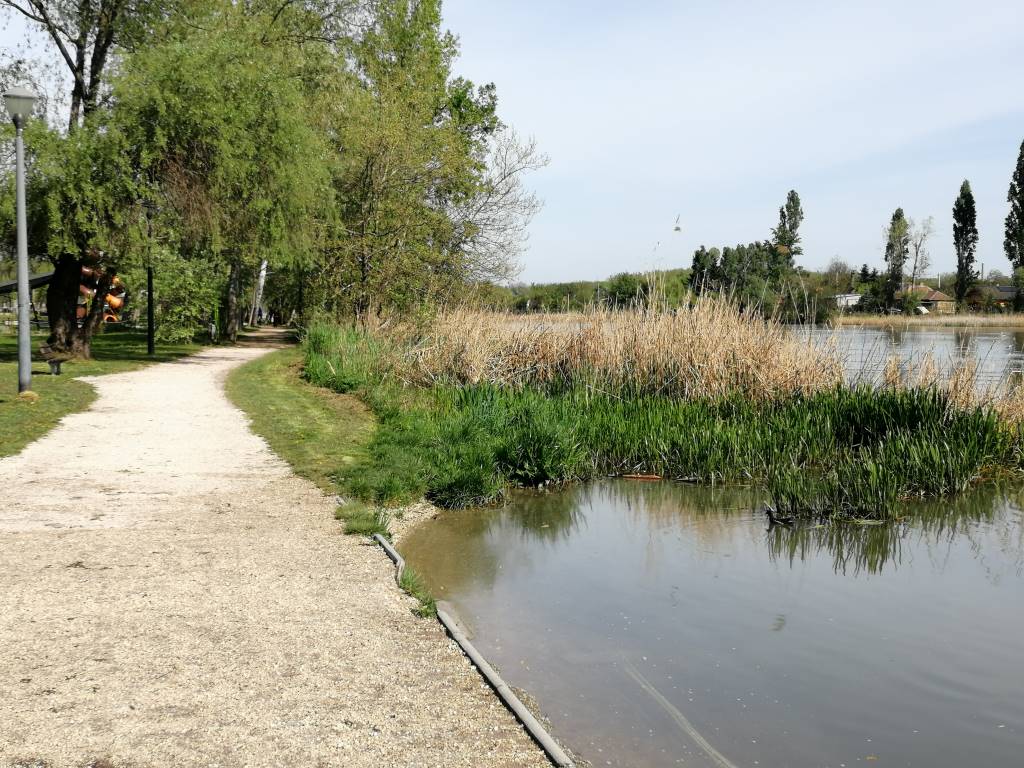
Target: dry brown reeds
pixel 710 349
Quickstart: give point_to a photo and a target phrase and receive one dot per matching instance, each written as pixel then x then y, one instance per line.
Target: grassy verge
pixel 318 433
pixel 323 435
pixel 855 453
pixel 23 421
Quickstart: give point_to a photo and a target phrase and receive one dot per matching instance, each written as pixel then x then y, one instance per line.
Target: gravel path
pixel 172 595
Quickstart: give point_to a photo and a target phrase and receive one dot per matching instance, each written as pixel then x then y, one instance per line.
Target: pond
pixel 865 351
pixel 661 624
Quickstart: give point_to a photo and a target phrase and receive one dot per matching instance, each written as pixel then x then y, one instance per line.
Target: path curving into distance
pixel 171 594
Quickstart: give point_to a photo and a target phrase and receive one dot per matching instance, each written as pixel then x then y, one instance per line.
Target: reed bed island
pixel 472 404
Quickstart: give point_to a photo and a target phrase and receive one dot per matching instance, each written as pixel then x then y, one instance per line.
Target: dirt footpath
pixel 171 595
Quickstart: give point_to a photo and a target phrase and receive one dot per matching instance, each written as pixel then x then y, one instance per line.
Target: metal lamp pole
pixel 19 103
pixel 150 317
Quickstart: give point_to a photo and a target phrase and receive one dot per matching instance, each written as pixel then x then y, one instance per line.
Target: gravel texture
pixel 172 595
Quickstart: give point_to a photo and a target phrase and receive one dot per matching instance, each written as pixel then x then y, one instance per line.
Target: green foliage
pixel 763 275
pixel 362 520
pixel 414 585
pixel 185 291
pixel 897 248
pixel 965 241
pixel 332 143
pixel 1013 242
pixel 626 290
pixel 786 236
pixel 410 158
pixel 704 270
pixel 224 139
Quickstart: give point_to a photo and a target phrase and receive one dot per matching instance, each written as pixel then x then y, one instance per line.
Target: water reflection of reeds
pixel 709 515
pixel 473 545
pixel 858 548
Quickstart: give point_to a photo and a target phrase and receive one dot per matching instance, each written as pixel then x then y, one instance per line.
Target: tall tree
pixel 87 35
pixel 1013 243
pixel 838 273
pixel 921 260
pixel 703 271
pixel 227 144
pixel 965 241
pixel 897 246
pixel 427 178
pixel 786 236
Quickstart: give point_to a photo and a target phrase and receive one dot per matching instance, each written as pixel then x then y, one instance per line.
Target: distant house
pixel 937 301
pixel 931 299
pixel 990 297
pixel 846 300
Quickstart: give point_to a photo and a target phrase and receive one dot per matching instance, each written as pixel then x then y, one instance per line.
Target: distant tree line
pixel 625 290
pixel 763 273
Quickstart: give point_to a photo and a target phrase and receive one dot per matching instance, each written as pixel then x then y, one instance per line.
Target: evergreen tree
pixel 1013 244
pixel 965 241
pixel 897 246
pixel 865 274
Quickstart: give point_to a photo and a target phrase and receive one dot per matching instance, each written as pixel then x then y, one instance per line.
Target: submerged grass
pixel 820 450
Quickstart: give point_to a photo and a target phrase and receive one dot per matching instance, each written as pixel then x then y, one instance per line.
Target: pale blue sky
pixel 714 110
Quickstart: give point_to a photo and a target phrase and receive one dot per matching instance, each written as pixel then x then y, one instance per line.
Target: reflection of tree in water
pixel 548 515
pixel 859 548
pixel 467 547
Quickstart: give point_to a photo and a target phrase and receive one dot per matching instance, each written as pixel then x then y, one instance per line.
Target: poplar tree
pixel 965 241
pixel 786 236
pixel 1013 243
pixel 897 246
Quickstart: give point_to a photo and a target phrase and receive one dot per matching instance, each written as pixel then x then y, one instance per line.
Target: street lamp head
pixel 19 103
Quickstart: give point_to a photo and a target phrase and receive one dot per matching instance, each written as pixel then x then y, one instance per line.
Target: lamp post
pixel 19 103
pixel 150 316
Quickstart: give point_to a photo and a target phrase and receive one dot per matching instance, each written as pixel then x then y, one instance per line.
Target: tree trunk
pixel 62 303
pixel 231 323
pixel 67 336
pixel 94 318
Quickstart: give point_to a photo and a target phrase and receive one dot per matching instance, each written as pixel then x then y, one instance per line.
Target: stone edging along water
pixel 537 731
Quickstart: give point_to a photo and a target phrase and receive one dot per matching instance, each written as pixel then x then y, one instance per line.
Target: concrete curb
pixel 537 731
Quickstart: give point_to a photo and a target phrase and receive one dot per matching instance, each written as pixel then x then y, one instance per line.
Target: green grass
pixel 363 520
pixel 853 453
pixel 318 433
pixel 414 585
pixel 23 421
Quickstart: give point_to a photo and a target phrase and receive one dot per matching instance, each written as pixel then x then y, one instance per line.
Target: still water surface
pixel 865 351
pixel 647 617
